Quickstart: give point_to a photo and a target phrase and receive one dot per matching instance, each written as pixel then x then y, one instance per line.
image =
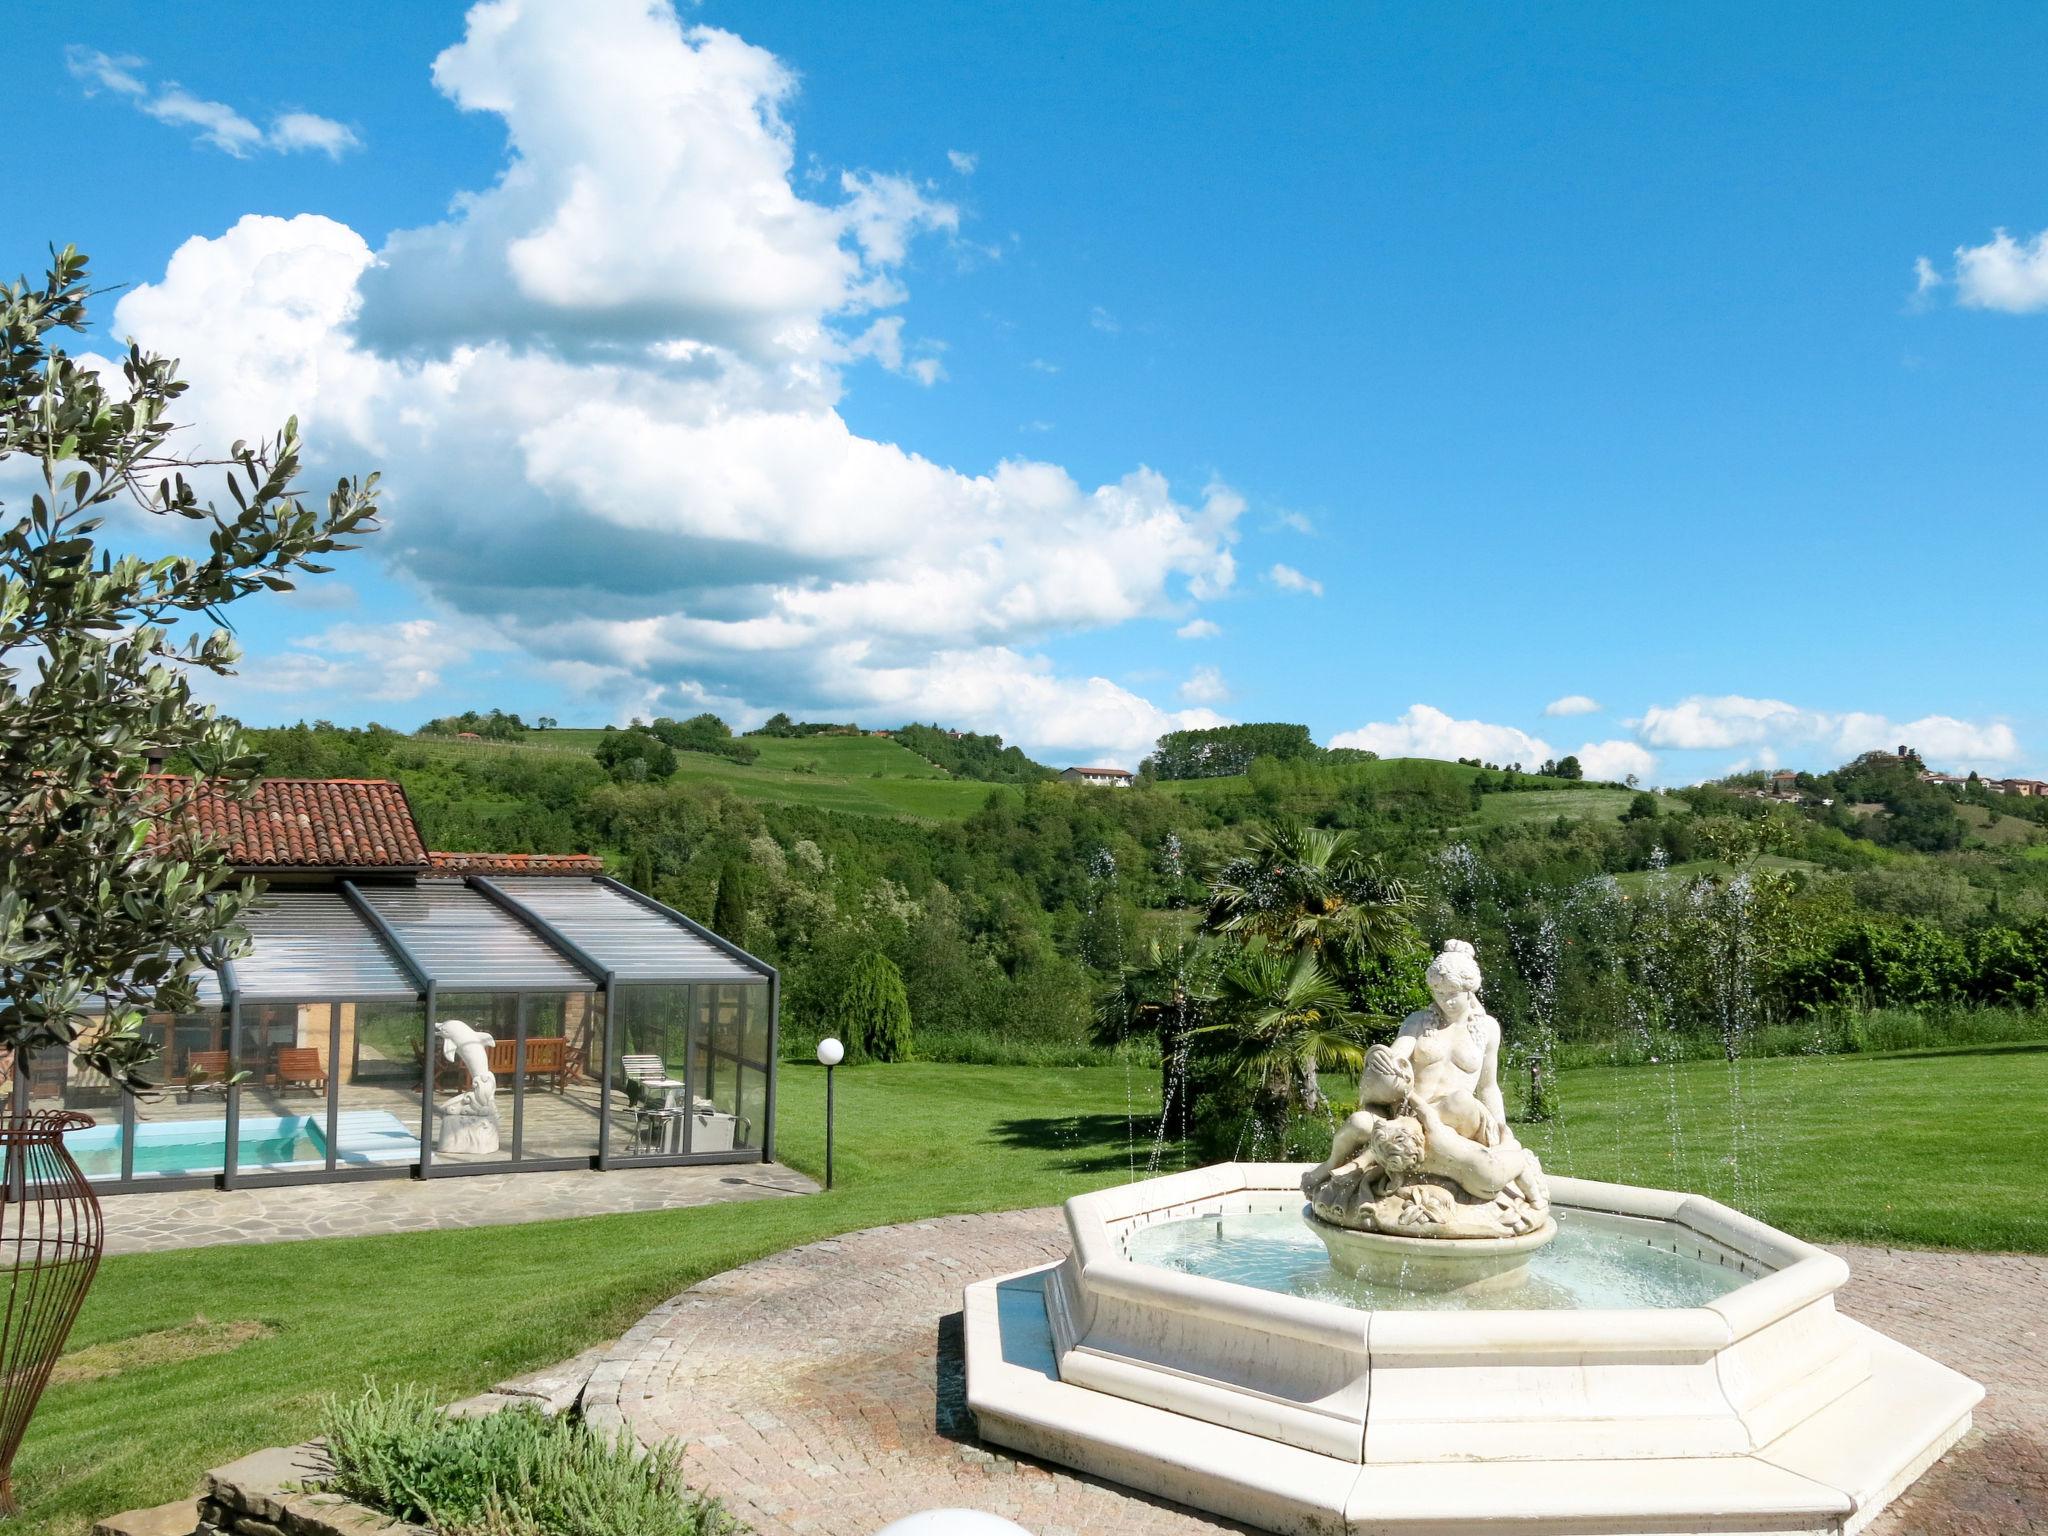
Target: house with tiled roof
pixel 1107 778
pixel 298 830
pixel 388 1010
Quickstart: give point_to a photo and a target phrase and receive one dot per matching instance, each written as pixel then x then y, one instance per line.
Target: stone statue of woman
pixel 469 1121
pixel 1429 1153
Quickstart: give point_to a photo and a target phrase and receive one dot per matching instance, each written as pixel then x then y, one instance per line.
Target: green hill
pixel 864 775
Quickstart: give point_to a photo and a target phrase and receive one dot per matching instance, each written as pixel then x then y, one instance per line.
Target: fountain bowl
pixel 1749 1404
pixel 1470 1264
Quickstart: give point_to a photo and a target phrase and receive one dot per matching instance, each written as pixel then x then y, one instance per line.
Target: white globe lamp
pixel 830 1054
pixel 952 1522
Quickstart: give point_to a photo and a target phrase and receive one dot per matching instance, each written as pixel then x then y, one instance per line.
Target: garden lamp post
pixel 830 1054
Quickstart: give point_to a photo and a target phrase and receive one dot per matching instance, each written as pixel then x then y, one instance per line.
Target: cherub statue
pixel 1429 1152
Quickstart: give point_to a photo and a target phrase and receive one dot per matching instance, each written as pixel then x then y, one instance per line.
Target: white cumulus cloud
pixel 1205 685
pixel 1288 579
pixel 2002 273
pixel 963 161
pixel 383 662
pixel 604 394
pixel 1425 731
pixel 1616 760
pixel 1732 720
pixel 217 123
pixel 1199 629
pixel 1572 704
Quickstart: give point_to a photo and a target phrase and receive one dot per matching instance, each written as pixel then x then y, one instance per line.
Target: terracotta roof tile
pixel 454 865
pixel 304 823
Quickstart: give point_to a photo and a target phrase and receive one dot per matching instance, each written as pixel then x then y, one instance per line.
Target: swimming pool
pixel 268 1143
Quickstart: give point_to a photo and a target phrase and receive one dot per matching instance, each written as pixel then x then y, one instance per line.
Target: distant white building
pixel 1107 778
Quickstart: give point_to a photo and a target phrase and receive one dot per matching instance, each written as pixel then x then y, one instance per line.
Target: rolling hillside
pixel 865 775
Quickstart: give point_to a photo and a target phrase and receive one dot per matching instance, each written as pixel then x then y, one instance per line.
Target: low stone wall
pixel 261 1495
pixel 264 1495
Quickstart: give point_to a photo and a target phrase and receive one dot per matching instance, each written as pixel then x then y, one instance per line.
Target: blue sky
pixel 1574 353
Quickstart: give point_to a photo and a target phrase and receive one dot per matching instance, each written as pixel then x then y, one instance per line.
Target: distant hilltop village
pixel 2032 788
pixel 1785 785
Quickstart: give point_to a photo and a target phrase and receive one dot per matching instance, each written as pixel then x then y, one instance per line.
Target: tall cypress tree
pixel 729 911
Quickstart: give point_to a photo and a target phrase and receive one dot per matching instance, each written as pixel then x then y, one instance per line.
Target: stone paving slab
pixel 821 1392
pixel 153 1222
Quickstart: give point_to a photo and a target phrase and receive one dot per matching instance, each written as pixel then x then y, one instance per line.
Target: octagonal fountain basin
pixel 1663 1364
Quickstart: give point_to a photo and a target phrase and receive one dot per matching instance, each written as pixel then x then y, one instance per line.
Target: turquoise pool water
pixel 273 1143
pixel 1593 1263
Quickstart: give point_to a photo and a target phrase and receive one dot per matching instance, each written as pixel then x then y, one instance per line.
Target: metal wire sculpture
pixel 51 1234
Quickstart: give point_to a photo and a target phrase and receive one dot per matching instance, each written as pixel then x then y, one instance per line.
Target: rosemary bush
pixel 515 1473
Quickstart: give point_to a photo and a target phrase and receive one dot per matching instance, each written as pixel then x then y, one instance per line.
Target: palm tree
pixel 1163 995
pixel 1310 890
pixel 1281 1018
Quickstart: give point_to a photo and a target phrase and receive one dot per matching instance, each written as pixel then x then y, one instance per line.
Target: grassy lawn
pixel 1924 1148
pixel 459 1310
pixel 1935 1148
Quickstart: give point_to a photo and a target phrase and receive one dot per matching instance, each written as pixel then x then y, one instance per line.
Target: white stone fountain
pixel 1444 1339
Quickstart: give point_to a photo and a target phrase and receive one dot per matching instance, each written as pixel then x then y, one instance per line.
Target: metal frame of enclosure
pixel 625 1035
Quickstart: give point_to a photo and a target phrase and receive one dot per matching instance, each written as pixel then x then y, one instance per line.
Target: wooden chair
pixel 205 1067
pixel 300 1067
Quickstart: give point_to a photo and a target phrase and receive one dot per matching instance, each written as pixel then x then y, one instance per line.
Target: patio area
pixel 821 1392
pixel 155 1222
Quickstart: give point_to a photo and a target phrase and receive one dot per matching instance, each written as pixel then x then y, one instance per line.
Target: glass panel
pixel 181 1128
pixel 559 1115
pixel 469 1128
pixel 715 1061
pixel 57 1080
pixel 651 1031
pixel 285 1051
pixel 754 1043
pixel 755 1065
pixel 753 1108
pixel 382 1050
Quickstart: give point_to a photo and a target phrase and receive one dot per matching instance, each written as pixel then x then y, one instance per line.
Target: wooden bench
pixel 546 1056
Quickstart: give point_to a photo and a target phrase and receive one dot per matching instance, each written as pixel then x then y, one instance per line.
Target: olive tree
pixel 111 898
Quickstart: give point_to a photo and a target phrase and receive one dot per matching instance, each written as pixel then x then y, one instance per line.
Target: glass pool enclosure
pixel 622 1034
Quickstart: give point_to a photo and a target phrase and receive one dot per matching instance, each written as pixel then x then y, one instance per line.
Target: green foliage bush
pixel 634 757
pixel 969 755
pixel 782 725
pixel 874 1011
pixel 1219 751
pixel 497 725
pixel 703 733
pixel 1840 1032
pixel 515 1473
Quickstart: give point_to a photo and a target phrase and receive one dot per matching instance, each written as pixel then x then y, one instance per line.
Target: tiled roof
pixel 304 823
pixel 454 865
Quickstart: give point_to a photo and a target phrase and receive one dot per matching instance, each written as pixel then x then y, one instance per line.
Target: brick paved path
pixel 820 1391
pixel 152 1221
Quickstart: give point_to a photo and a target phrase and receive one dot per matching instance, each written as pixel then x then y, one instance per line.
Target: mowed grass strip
pixel 1929 1148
